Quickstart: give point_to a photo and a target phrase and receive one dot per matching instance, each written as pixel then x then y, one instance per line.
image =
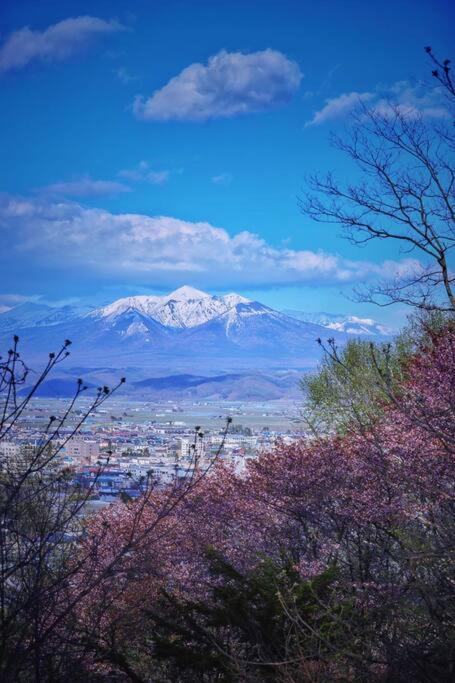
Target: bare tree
pixel 442 72
pixel 40 509
pixel 406 193
pixel 43 515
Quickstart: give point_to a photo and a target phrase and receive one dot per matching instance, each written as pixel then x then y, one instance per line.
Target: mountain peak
pixel 233 299
pixel 184 307
pixel 187 293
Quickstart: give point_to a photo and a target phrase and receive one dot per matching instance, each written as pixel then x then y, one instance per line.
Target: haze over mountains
pixel 187 343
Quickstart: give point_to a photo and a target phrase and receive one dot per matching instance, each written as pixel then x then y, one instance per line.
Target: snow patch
pixel 136 328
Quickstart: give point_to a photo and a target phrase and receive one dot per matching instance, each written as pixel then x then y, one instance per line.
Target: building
pixel 188 452
pixel 81 450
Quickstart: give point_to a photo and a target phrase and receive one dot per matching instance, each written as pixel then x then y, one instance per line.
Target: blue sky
pixel 150 144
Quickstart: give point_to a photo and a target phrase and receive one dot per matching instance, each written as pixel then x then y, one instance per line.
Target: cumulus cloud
pixel 411 100
pixel 153 249
pixel 230 83
pixel 86 187
pixel 56 43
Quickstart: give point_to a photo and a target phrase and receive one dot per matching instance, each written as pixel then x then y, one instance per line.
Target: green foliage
pixel 251 626
pixel 352 385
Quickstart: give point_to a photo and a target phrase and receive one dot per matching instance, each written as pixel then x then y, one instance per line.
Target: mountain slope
pixel 186 307
pixel 253 327
pixel 30 314
pixel 187 330
pixel 23 315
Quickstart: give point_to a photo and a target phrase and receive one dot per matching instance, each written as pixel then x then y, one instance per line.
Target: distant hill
pixel 230 386
pixel 56 388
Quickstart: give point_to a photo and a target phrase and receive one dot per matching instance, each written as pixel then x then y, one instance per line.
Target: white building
pixel 187 451
pixel 235 441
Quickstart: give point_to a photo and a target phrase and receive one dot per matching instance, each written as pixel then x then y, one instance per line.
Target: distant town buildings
pixel 9 450
pixel 112 458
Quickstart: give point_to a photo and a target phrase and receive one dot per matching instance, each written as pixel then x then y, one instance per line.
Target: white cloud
pixel 337 107
pixel 231 83
pixel 86 187
pixel 158 177
pixel 137 173
pixel 143 173
pixel 411 100
pixel 222 179
pixel 56 43
pixel 152 249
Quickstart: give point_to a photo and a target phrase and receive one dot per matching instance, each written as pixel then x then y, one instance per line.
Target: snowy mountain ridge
pixel 361 326
pixel 186 307
pixel 186 332
pixel 350 324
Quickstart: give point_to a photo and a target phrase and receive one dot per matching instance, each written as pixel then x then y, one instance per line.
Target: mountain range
pixel 351 324
pixel 210 346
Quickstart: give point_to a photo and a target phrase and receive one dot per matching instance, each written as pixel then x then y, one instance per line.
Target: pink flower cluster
pixel 376 506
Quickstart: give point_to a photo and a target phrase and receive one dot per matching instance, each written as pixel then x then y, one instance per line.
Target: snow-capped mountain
pixel 234 345
pixel 359 326
pixel 23 315
pixel 350 324
pixel 190 319
pixel 184 308
pixel 186 330
pixel 255 327
pixel 30 314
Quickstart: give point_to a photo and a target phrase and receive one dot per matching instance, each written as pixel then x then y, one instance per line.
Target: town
pixel 124 446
